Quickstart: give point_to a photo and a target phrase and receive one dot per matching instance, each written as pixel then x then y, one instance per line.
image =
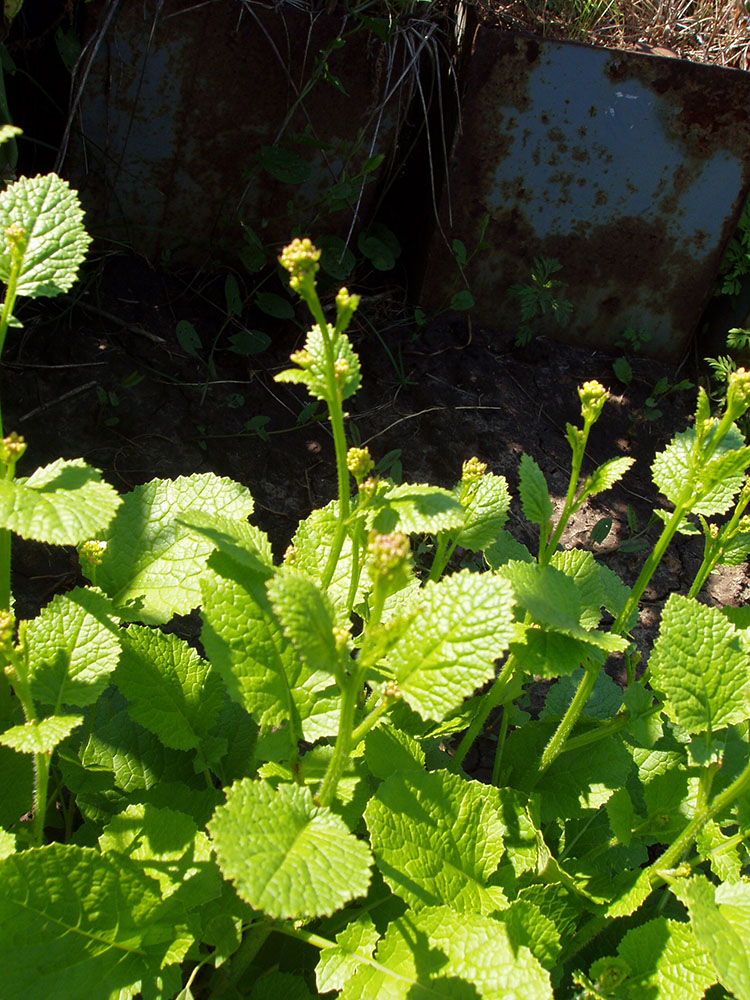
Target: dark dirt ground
pixel 461 390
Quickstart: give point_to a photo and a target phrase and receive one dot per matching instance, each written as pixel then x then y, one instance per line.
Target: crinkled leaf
pixel 720 916
pixel 286 856
pixel 553 601
pixel 606 475
pixel 736 550
pixel 389 750
pixel 307 619
pixel 259 665
pixel 462 625
pixel 674 468
pixel 63 503
pixel 528 926
pixel 136 758
pixel 438 839
pixel 50 212
pixel 171 690
pixel 167 846
pixel 662 959
pixel 505 549
pixel 337 965
pixel 313 374
pixel 153 563
pixel 311 545
pixel 547 654
pixel 73 918
pixel 414 508
pixel 437 953
pixel 42 736
pixel 533 490
pixel 7 844
pixel 485 511
pixel 273 985
pixel 241 540
pixel 73 647
pixel 701 666
pixel 604 701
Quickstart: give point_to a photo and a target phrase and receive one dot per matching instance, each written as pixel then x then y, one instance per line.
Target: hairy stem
pixel 491 700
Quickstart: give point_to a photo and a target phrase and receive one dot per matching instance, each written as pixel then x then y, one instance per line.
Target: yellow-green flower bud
pixel 91 553
pixel 300 259
pixel 341 368
pixel 390 553
pixel 593 396
pixel 744 523
pixel 290 556
pixel 16 238
pixel 12 448
pixel 359 463
pixel 472 469
pixel 713 530
pixel 341 636
pixel 369 488
pixel 738 394
pixel 7 630
pixel 391 690
pixel 346 306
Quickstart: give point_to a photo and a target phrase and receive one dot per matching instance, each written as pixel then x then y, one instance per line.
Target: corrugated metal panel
pixel 630 170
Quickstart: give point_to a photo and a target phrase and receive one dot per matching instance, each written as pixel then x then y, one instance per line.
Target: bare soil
pixel 105 378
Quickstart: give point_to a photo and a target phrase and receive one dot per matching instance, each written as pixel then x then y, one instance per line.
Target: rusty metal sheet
pixel 630 170
pixel 182 97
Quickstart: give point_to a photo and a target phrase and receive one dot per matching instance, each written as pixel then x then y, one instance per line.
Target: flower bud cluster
pixel 359 463
pixel 16 238
pixel 341 636
pixel 390 553
pixel 303 358
pixel 300 259
pixel 7 630
pixel 12 448
pixel 593 396
pixel 91 552
pixel 738 393
pixel 346 306
pixel 472 469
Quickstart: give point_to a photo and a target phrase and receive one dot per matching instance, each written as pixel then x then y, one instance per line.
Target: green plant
pixel 735 265
pixel 289 781
pixel 543 293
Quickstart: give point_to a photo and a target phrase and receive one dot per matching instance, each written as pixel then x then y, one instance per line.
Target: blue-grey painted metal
pixel 630 170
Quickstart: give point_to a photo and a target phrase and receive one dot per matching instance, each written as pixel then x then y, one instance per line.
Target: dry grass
pixel 706 31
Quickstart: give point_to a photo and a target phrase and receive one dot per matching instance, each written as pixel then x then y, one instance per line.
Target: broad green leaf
pixel 63 503
pixel 598 587
pixel 17 782
pixel 414 508
pixel 312 371
pixel 717 484
pixel 167 846
pixel 73 647
pixel 274 305
pixel 260 667
pixel 462 625
pixel 188 338
pixel 485 511
pixel 73 918
pixel 42 736
pixel 286 856
pixel 438 839
pixel 50 212
pixel 701 666
pixel 389 750
pixel 137 759
pixel 604 702
pixel 529 927
pixel 606 475
pixel 309 553
pixel 307 619
pixel 534 493
pixel 241 540
pixel 505 549
pixel 153 563
pixel 7 844
pixel 171 690
pixel 621 815
pixel 553 601
pixel 721 920
pixel 721 852
pixel 337 965
pixel 547 654
pixel 437 954
pixel 661 959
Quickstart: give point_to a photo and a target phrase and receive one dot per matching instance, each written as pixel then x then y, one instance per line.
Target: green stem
pixel 370 721
pixel 490 701
pixel 555 745
pixel 500 747
pixel 5 537
pixel 42 763
pixel 550 544
pixel 343 745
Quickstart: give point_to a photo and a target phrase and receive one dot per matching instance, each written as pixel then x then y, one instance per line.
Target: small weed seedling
pixel 170 814
pixel 541 295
